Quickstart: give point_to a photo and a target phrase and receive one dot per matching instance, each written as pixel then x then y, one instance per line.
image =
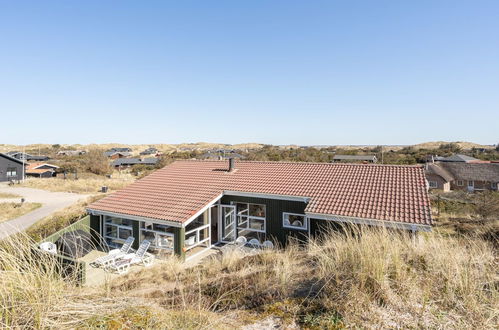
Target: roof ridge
pixel 291 162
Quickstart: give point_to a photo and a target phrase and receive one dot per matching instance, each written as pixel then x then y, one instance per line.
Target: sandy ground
pixel 51 202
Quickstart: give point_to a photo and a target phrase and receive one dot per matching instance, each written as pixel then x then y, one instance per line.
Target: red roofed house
pixel 41 170
pixel 188 206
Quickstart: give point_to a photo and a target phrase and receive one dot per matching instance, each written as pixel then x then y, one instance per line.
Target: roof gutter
pixel 371 222
pixel 267 196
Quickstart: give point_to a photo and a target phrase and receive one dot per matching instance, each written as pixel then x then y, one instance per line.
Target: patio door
pixel 227 223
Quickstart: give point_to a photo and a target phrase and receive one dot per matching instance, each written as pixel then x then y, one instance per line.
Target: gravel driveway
pixel 51 202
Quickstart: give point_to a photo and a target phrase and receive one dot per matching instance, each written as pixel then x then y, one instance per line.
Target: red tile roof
pixel 178 191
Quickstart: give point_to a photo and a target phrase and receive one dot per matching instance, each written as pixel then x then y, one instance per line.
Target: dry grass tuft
pixel 8 195
pixel 9 211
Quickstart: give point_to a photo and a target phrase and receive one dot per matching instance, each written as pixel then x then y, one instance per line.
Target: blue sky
pixel 279 72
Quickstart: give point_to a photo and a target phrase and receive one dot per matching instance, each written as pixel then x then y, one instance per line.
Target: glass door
pixel 227 223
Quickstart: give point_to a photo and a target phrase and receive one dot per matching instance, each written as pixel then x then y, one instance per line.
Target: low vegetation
pixel 8 195
pixel 86 184
pixel 373 278
pixel 9 211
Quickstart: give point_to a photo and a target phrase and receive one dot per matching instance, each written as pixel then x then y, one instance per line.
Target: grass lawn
pixel 8 195
pixel 10 211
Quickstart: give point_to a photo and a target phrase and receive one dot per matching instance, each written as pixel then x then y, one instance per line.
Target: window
pixel 471 184
pixel 251 221
pixel 460 183
pixel 160 236
pixel 11 171
pixel 197 233
pixel 433 184
pixel 294 221
pixel 117 230
pixel 493 185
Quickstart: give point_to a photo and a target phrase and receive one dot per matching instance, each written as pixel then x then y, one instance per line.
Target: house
pixel 461 175
pixel 117 154
pixel 150 151
pixel 11 169
pixel 189 206
pixel 120 150
pixel 127 162
pixel 27 157
pixel 71 152
pixel 355 158
pixel 41 170
pixel 457 158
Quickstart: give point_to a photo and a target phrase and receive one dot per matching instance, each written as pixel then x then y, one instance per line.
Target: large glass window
pixel 161 236
pixel 294 221
pixel 251 221
pixel 117 230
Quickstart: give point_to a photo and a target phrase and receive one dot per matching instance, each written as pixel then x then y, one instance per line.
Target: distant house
pixel 11 169
pixel 457 158
pixel 117 154
pixel 71 152
pixel 128 162
pixel 22 155
pixel 355 158
pixel 462 175
pixel 41 170
pixel 150 151
pixel 120 150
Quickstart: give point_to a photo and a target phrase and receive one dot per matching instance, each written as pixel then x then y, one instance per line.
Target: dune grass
pixel 9 210
pixel 88 184
pixel 8 195
pixel 373 278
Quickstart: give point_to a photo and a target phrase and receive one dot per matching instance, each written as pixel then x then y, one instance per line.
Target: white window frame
pixel 118 228
pixel 157 234
pixel 460 183
pixel 494 185
pixel 197 242
pixel 433 184
pixel 472 185
pixel 11 172
pixel 285 216
pixel 249 218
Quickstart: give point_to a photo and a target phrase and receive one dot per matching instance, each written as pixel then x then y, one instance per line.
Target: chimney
pixel 232 164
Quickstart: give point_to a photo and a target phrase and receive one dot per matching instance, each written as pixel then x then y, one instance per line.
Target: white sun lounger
pixel 114 254
pixel 122 265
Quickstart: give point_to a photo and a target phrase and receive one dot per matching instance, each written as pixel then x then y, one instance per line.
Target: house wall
pixel 6 163
pixel 441 183
pixel 274 211
pixel 478 185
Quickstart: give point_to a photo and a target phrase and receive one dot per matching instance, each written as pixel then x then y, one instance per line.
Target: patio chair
pixel 114 254
pixel 122 265
pixel 190 241
pixel 254 242
pixel 268 245
pixel 241 241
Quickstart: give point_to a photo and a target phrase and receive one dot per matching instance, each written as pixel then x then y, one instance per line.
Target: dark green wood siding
pixel 274 211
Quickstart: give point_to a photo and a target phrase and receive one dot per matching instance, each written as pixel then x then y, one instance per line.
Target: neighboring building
pixel 457 158
pixel 120 150
pixel 355 158
pixel 127 162
pixel 71 152
pixel 27 157
pixel 189 206
pixel 41 170
pixel 117 154
pixel 150 151
pixel 466 176
pixel 11 169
